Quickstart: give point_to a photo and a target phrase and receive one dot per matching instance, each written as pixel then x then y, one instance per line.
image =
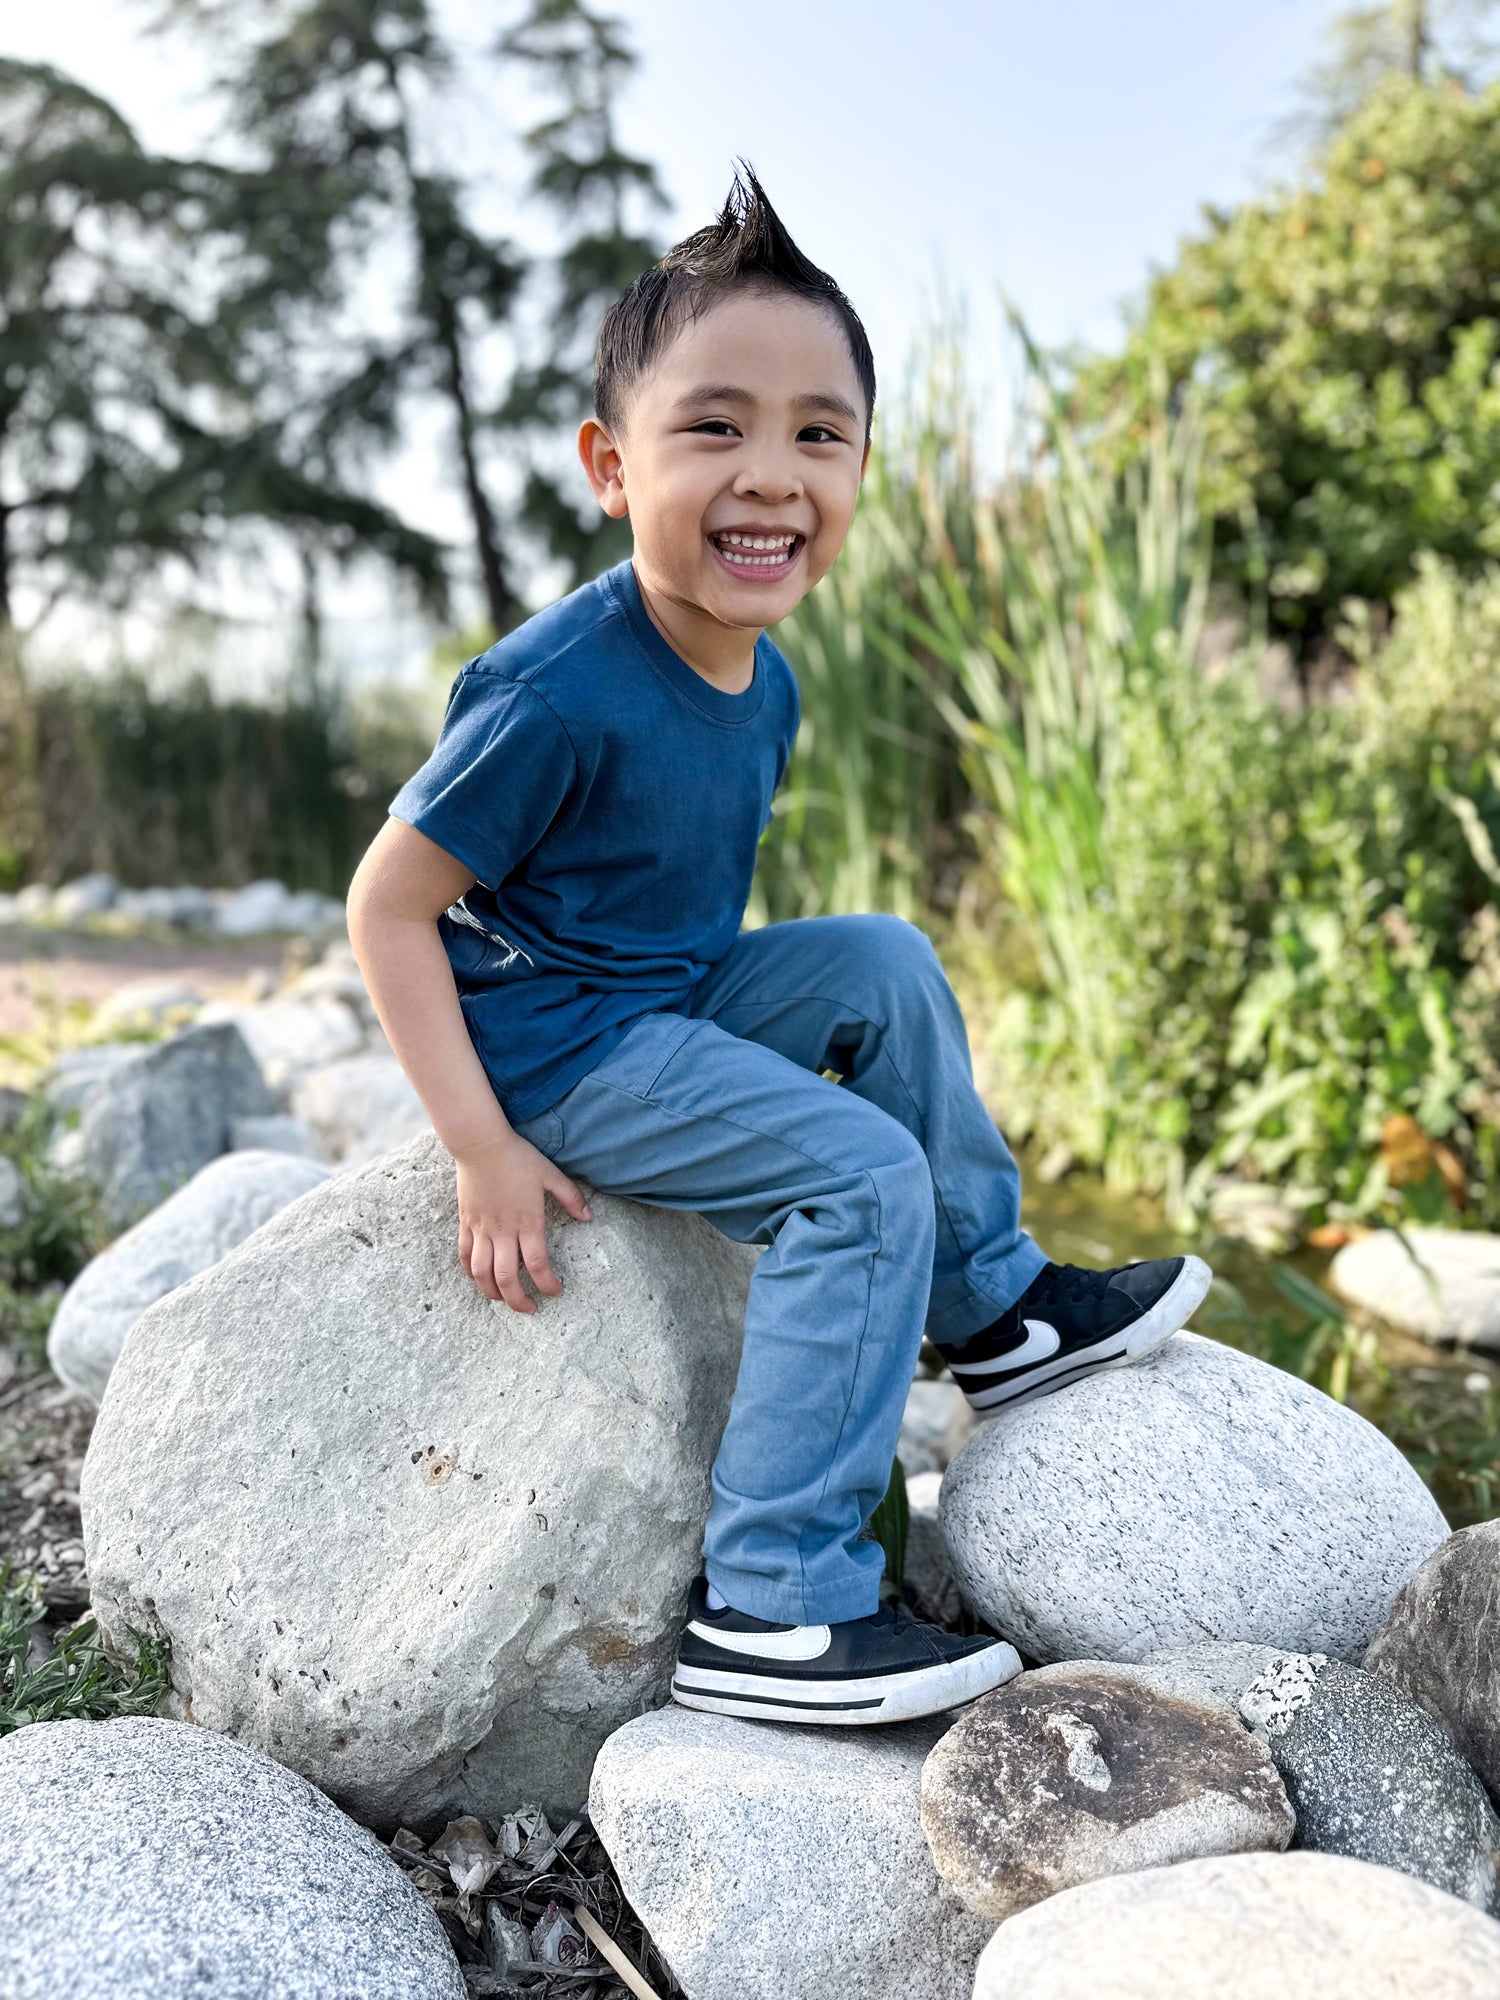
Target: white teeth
pixel 780 545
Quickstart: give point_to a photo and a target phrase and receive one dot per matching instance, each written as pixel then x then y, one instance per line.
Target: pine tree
pixel 132 299
pixel 580 171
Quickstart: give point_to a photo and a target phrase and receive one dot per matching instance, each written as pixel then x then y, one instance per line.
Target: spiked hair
pixel 746 248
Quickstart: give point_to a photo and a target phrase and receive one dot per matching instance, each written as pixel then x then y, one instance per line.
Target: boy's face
pixel 749 428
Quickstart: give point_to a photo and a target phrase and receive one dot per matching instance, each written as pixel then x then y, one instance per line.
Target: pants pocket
pixel 639 1057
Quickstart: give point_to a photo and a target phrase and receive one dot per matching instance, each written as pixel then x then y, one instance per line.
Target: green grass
pixel 74 1679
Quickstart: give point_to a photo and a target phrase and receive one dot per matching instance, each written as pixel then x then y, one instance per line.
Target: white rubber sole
pixel 848 1704
pixel 1171 1312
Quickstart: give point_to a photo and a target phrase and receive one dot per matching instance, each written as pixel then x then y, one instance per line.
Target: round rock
pixel 1200 1494
pixel 142 1859
pixel 1046 1783
pixel 222 1204
pixel 424 1549
pixel 1444 1286
pixel 1441 1644
pixel 1371 1776
pixel 771 1859
pixel 1249 1927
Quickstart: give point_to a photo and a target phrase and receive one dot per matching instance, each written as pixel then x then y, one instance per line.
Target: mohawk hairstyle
pixel 746 248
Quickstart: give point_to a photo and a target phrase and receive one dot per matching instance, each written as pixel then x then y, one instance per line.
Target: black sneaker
pixel 1071 1322
pixel 884 1668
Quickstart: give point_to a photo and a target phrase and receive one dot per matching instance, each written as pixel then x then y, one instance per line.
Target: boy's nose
pixel 768 480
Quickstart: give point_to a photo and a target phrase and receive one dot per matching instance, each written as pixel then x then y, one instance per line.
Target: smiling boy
pixel 549 925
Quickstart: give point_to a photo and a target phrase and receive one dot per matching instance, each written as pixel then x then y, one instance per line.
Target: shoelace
pixel 1069 1282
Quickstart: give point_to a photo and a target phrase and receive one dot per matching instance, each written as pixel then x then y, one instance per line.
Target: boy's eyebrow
pixel 729 392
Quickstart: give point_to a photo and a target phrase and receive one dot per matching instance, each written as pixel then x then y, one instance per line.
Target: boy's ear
pixel 865 457
pixel 604 467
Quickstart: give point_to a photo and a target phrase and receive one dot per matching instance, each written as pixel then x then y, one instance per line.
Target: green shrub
pixel 181 784
pixel 74 1679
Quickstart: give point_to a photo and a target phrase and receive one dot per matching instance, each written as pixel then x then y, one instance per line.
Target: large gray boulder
pixel 141 1859
pixel 360 1106
pixel 1441 1644
pixel 1247 1927
pixel 1200 1494
pixel 1051 1781
pixel 423 1549
pixel 773 1859
pixel 222 1204
pixel 152 1115
pixel 291 1037
pixel 1371 1776
pixel 1443 1284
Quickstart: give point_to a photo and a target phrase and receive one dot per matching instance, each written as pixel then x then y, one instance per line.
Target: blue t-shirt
pixel 609 801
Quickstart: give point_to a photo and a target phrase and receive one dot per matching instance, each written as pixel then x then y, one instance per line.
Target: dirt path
pixel 44 971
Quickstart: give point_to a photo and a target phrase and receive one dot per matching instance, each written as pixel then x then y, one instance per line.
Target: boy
pixel 549 924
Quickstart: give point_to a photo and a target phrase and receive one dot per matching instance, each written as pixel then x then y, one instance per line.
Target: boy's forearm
pixel 411 985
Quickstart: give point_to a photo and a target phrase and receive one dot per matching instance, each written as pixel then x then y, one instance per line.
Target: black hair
pixel 746 248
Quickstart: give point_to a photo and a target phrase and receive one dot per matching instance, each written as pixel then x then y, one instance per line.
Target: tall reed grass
pixel 1199 931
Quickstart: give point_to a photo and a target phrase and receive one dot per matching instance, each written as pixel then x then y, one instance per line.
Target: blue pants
pixel 889 1203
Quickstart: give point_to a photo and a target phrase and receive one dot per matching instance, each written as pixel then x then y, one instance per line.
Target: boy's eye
pixel 824 434
pixel 715 427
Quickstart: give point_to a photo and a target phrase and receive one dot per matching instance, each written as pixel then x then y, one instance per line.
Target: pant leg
pixel 867 996
pixel 684 1114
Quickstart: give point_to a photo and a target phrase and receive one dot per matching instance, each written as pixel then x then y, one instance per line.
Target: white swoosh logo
pixel 1041 1343
pixel 803 1642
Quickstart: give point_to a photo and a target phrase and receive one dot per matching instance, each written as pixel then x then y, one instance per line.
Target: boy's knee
pixel 903 1188
pixel 893 951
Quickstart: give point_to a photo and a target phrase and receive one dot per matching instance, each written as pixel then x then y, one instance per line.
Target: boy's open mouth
pixel 756 557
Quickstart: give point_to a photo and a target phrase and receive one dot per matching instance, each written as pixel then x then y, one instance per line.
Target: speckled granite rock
pixel 425 1550
pixel 151 1117
pixel 1371 1776
pixel 767 1859
pixel 1441 1644
pixel 1448 1290
pixel 142 1859
pixel 1246 1927
pixel 1057 1778
pixel 222 1204
pixel 1199 1494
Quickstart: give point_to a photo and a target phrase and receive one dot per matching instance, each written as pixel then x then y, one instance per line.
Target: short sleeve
pixel 498 775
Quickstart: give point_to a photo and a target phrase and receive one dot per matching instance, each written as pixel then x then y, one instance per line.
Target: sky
pixel 1055 152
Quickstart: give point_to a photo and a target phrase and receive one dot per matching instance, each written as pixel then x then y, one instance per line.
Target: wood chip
pixel 605 1945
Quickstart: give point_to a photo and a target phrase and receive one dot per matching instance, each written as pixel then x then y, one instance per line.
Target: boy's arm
pixel 400 889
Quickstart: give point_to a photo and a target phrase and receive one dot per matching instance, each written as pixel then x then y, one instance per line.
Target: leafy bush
pixel 1346 335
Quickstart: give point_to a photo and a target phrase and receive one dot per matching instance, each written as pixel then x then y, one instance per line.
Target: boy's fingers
pixel 481 1263
pixel 508 1277
pixel 572 1198
pixel 538 1263
pixel 465 1243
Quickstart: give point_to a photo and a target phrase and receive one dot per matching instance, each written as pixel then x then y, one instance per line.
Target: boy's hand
pixel 500 1190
